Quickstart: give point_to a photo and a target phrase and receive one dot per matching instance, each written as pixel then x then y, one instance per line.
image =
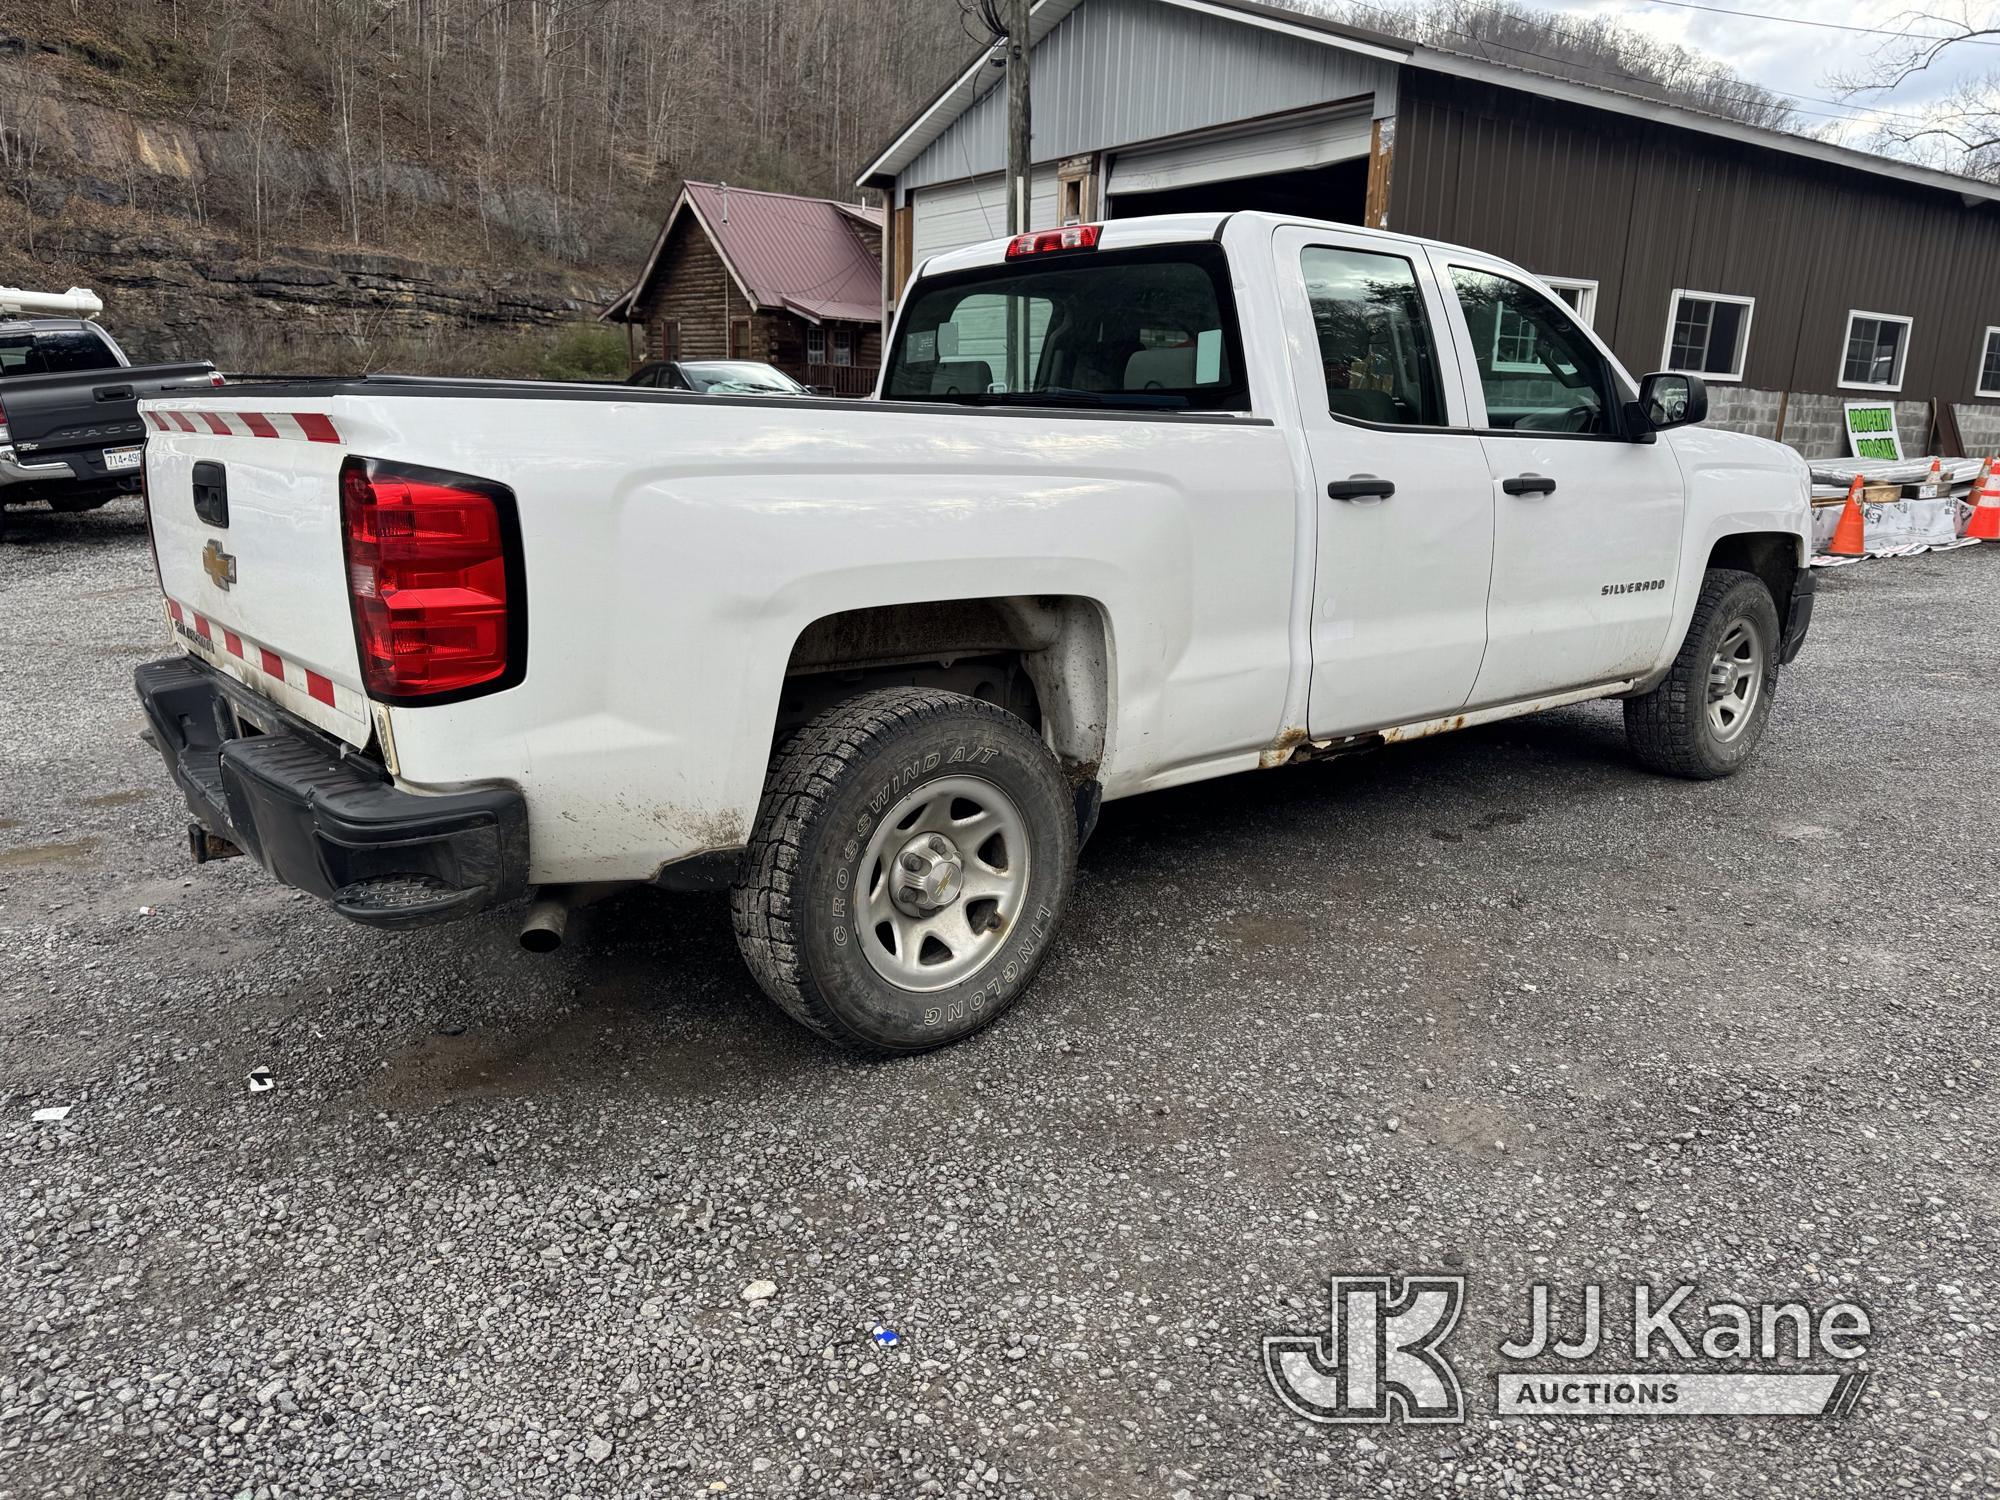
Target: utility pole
pixel 1020 169
pixel 1018 132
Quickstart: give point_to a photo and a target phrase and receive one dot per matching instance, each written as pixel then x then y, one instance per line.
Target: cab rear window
pixel 53 352
pixel 1153 328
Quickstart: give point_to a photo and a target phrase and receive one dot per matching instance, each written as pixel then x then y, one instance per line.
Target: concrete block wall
pixel 1816 426
pixel 1741 409
pixel 1979 425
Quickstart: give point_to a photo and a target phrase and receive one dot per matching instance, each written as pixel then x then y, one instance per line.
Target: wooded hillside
pixel 353 176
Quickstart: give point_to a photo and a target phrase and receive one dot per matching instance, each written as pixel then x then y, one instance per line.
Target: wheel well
pixel 1772 555
pixel 1044 658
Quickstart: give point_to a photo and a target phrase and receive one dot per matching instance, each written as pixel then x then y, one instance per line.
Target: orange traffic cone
pixel 1933 485
pixel 1984 523
pixel 1850 536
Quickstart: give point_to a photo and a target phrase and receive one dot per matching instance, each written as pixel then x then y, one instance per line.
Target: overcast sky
pixel 1798 60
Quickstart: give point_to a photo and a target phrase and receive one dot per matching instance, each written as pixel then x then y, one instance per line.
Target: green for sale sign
pixel 1871 430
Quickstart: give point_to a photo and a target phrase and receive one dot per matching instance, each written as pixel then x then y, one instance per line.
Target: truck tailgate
pixel 244 505
pixel 51 415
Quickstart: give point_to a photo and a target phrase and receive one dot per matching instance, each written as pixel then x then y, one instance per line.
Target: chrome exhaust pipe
pixel 547 920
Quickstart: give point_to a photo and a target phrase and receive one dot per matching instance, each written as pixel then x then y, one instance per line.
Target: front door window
pixel 1539 371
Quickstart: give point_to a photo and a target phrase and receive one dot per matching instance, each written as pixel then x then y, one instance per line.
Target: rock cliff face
pixel 199 238
pixel 174 293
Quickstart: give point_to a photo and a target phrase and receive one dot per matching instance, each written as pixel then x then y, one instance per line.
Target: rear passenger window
pixel 1375 342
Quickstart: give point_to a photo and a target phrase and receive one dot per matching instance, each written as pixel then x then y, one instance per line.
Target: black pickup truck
pixel 70 432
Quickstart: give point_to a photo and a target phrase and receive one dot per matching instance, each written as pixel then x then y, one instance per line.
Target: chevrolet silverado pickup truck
pixel 70 432
pixel 1136 504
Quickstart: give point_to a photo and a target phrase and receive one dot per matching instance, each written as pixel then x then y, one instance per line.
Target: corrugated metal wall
pixel 1644 209
pixel 1118 71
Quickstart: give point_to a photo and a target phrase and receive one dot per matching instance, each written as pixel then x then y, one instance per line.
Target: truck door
pixel 1404 536
pixel 1587 527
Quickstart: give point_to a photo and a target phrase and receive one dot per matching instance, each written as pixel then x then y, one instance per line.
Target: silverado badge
pixel 219 565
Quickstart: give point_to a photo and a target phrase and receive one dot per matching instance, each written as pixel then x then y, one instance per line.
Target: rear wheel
pixel 1707 716
pixel 912 857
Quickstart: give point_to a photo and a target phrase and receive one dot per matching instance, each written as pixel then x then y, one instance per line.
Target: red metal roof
pixel 812 256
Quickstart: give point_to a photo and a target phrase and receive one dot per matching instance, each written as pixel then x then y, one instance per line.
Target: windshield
pixel 1134 328
pixel 734 377
pixel 53 351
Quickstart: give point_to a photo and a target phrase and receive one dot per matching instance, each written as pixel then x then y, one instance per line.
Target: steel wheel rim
pixel 1735 680
pixel 928 926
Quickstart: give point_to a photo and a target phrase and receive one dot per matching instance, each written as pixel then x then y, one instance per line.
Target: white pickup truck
pixel 1137 504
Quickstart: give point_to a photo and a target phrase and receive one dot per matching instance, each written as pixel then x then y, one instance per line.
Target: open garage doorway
pixel 1338 192
pixel 1312 163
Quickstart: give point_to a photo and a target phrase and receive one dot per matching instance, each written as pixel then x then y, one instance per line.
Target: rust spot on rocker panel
pixel 1280 749
pixel 1426 730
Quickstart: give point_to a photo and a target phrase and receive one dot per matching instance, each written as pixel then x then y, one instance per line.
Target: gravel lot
pixel 1496 1002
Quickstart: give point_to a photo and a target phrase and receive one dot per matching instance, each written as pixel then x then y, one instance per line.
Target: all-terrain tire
pixel 1672 729
pixel 801 901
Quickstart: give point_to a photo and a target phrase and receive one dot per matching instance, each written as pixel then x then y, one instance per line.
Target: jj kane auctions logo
pixel 1382 1358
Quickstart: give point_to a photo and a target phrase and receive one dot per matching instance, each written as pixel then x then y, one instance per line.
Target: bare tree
pixel 1960 129
pixel 23 131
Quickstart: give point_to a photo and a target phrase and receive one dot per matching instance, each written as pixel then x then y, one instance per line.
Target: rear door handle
pixel 1529 484
pixel 114 393
pixel 1360 487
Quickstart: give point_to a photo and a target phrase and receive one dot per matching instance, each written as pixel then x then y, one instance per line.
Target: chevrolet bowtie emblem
pixel 220 566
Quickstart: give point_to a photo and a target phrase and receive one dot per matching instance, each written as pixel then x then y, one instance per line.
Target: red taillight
pixel 1075 237
pixel 6 437
pixel 433 575
pixel 215 379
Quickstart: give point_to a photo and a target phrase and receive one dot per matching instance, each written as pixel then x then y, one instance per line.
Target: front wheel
pixel 913 854
pixel 1708 713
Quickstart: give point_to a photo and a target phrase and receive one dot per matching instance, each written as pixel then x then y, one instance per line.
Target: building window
pixel 1708 334
pixel 1989 364
pixel 1581 297
pixel 670 339
pixel 815 346
pixel 1513 341
pixel 843 346
pixel 1876 346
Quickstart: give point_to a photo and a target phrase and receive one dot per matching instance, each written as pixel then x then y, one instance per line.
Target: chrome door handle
pixel 1360 487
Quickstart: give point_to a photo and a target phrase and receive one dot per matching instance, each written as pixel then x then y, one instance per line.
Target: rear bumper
pixel 84 470
pixel 1798 617
pixel 321 817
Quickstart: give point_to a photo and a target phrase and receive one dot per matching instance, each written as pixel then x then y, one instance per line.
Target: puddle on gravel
pixel 40 856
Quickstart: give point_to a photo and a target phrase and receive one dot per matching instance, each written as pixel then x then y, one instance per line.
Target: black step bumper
pixel 323 818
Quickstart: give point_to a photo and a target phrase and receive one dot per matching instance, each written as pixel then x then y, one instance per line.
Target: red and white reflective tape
pixel 300 426
pixel 261 658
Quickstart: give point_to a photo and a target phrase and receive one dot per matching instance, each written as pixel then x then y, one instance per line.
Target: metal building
pixel 1791 274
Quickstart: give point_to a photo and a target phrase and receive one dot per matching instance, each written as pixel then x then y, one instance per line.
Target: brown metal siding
pixel 1644 208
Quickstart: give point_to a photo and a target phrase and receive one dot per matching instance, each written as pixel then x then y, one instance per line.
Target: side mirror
pixel 1671 400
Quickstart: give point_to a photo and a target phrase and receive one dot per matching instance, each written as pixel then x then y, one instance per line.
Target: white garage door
pixel 1317 141
pixel 964 213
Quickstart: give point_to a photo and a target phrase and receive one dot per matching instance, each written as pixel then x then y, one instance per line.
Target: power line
pixel 1763 15
pixel 1758 92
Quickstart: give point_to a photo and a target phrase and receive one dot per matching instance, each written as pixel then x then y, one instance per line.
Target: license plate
pixel 123 458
